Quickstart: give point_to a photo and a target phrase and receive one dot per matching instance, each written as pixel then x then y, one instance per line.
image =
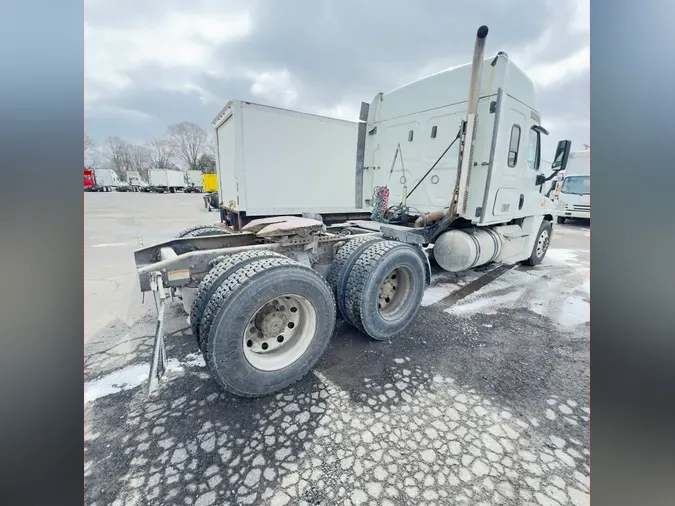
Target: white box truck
pixel 574 190
pixel 195 181
pixel 106 180
pixel 273 161
pixel 164 180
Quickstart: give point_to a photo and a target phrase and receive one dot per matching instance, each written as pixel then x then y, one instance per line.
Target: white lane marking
pixel 109 244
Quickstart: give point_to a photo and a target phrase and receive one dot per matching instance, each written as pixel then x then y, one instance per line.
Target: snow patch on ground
pixel 133 376
pixel 438 292
pixel 573 311
pixel 487 305
pixel 558 294
pixel 441 287
pixel 555 256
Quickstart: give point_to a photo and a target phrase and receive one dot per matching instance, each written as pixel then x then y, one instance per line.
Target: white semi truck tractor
pixel 464 185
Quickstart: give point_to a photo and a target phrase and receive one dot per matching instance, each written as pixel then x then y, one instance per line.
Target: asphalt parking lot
pixel 484 401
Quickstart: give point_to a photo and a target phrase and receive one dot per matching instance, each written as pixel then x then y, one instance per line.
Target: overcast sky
pixel 150 63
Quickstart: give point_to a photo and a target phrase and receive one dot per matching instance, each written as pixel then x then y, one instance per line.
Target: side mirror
pixel 562 154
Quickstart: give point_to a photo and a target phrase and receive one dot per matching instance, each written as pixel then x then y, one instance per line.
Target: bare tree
pixel 119 154
pixel 161 153
pixel 92 156
pixel 139 160
pixel 210 148
pixel 188 141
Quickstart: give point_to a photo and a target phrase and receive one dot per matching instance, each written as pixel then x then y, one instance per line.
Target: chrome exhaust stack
pixel 477 69
pixel 471 120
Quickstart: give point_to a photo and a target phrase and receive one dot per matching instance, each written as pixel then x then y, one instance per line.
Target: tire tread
pixel 207 287
pixel 358 277
pixel 341 266
pixel 195 231
pixel 244 275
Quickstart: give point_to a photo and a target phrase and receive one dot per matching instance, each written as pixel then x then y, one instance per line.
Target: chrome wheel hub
pixel 279 332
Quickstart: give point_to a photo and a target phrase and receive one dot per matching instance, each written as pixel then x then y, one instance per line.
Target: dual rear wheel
pixel 262 320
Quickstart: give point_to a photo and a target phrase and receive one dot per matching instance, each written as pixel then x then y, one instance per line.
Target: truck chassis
pixel 263 301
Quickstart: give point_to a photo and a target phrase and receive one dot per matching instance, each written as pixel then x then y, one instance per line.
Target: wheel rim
pixel 394 292
pixel 279 332
pixel 542 243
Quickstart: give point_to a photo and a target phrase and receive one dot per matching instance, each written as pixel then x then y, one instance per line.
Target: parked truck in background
pixel 210 182
pixel 574 189
pixel 135 181
pixel 164 180
pixel 105 180
pixel 195 182
pixel 89 180
pixel 210 185
pixel 442 173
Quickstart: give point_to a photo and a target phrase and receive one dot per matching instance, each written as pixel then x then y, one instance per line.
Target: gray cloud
pixel 317 55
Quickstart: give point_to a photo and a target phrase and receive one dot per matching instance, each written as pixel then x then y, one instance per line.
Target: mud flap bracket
pixel 158 365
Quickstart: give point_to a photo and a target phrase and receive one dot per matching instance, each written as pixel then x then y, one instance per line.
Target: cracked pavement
pixel 484 402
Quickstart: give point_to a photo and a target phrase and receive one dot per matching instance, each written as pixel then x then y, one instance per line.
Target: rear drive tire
pixel 341 266
pixel 385 288
pixel 560 219
pixel 201 230
pixel 271 321
pixel 541 244
pixel 214 279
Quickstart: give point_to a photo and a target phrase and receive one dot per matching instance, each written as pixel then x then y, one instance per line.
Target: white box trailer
pixel 163 180
pixel 106 179
pixel 273 161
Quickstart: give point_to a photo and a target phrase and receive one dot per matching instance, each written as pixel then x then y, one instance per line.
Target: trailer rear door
pixel 225 160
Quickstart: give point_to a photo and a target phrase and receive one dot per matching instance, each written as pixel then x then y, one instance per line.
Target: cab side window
pixel 533 150
pixel 514 144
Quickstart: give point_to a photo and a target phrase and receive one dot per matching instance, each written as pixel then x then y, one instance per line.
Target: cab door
pixel 508 160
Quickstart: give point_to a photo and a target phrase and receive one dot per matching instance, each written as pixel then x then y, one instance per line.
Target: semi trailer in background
pixel 165 180
pixel 447 166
